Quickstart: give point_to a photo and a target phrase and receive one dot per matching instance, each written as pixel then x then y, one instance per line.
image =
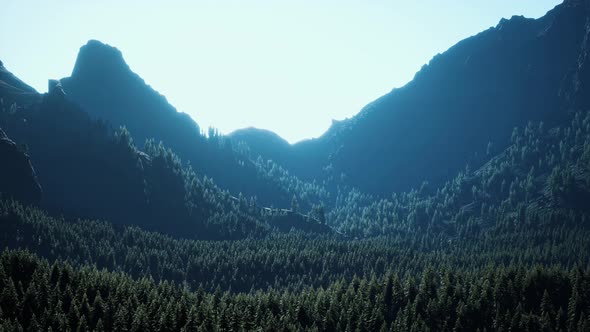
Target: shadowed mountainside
pixel 464 101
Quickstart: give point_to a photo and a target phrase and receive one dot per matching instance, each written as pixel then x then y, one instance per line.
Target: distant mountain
pixel 464 101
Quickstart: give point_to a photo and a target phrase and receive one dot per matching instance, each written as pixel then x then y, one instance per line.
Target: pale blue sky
pixel 287 66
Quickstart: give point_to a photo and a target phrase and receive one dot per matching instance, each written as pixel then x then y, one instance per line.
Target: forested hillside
pixel 532 277
pixel 543 177
pixel 87 169
pixel 118 214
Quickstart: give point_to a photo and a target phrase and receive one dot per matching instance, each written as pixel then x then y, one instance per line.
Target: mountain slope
pixel 472 95
pixel 87 170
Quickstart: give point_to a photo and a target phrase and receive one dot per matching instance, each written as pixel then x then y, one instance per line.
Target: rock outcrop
pixel 17 176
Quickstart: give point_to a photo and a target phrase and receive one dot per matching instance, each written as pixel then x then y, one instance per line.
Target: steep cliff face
pixel 470 96
pixel 17 176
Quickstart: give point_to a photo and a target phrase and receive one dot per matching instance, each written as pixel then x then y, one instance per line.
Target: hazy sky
pixel 288 66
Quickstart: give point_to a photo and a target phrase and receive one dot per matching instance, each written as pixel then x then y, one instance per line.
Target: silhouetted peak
pixel 99 59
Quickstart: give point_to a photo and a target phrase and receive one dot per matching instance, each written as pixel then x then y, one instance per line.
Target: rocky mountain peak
pixel 97 59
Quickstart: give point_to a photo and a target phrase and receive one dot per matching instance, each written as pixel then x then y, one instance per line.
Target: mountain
pixel 460 108
pixel 466 99
pixel 104 85
pixel 477 92
pixel 106 88
pixel 88 170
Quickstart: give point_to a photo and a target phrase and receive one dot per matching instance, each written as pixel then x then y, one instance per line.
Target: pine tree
pixel 546 305
pixel 99 326
pixel 572 311
pixel 73 314
pixel 120 319
pixel 388 297
pixel 140 320
pixel 9 301
pixel 82 325
pixel 98 309
pixel 34 325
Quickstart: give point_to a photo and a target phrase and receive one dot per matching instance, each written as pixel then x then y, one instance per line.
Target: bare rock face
pixel 17 176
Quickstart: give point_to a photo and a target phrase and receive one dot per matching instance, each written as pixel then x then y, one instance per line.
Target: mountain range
pixel 458 202
pixel 446 116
